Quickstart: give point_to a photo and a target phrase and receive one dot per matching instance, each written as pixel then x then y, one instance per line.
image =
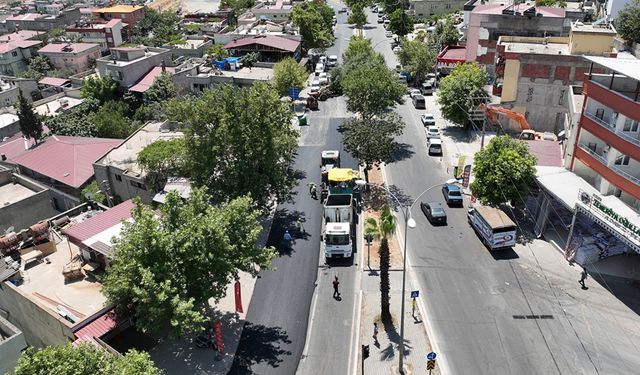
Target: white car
pixel 319 68
pixel 333 61
pixel 428 120
pixel 414 92
pixel 433 132
pixel 315 85
pixel 397 49
pixel 323 78
pixel 389 34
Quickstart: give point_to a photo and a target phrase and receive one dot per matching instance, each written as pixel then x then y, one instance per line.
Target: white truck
pixel 495 228
pixel 337 224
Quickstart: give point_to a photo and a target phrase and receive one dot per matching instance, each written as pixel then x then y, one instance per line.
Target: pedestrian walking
pixel 375 334
pixel 287 236
pixel 336 285
pixel 313 190
pixel 299 225
pixel 413 307
pixel 583 277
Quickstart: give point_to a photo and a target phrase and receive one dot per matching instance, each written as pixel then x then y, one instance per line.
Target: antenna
pixel 9 230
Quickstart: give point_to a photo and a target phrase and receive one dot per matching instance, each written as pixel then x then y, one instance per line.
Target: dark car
pixel 434 212
pixel 452 194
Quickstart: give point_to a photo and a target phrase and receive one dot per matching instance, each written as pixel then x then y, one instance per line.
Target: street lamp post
pixel 409 222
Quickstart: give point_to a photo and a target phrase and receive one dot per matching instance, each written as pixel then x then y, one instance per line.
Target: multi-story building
pixel 129 14
pixel 14 55
pixel 107 35
pixel 604 144
pixel 428 8
pixel 280 10
pixel 533 74
pixel 40 22
pixel 129 65
pixel 77 57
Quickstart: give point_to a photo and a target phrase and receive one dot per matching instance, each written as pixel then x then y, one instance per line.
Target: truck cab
pixel 336 240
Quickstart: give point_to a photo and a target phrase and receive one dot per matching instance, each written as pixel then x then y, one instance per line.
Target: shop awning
pixel 342 174
pixel 563 185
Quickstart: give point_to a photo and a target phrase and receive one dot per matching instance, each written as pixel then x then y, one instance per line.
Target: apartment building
pixel 107 35
pixel 75 56
pixel 129 65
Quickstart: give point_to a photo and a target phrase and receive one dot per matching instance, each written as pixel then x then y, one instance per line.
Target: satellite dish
pixel 89 196
pixel 9 230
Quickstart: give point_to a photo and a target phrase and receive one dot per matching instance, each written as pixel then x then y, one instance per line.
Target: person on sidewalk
pixel 375 334
pixel 336 291
pixel 583 277
pixel 413 307
pixel 300 226
pixel 287 237
pixel 313 191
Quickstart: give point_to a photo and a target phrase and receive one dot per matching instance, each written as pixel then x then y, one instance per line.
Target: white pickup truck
pixel 495 228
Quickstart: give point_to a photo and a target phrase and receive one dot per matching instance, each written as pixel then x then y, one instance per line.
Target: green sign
pixel 614 215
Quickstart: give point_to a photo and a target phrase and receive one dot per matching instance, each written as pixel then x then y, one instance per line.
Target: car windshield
pixel 454 193
pixel 337 239
pixel 437 210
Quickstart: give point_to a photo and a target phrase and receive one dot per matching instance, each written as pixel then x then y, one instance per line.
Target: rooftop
pixel 147 80
pixel 11 193
pixel 453 53
pixel 627 67
pixel 591 28
pixel 537 48
pixel 498 8
pixel 10 46
pixel 125 156
pixel 547 153
pixel 121 8
pixel 120 56
pixel 265 40
pixel 26 17
pixel 259 74
pixel 54 81
pixel 57 105
pixel 45 284
pixel 7 119
pixel 68 47
pixel 68 160
pixel 20 35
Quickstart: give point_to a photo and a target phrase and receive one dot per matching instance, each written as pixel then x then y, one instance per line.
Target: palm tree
pixel 382 231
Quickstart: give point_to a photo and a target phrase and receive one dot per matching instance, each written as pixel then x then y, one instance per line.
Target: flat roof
pixel 12 193
pixel 261 74
pixel 627 67
pixel 537 48
pixel 591 28
pixel 56 106
pixel 547 153
pixel 44 283
pixel 563 184
pixel 7 119
pixel 68 47
pixel 497 8
pixel 121 8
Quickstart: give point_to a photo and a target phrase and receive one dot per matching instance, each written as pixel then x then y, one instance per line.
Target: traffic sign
pixel 415 294
pixel 431 364
pixel 431 356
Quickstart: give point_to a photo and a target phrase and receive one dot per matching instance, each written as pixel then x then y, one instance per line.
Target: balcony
pixel 616 100
pixel 615 175
pixel 603 129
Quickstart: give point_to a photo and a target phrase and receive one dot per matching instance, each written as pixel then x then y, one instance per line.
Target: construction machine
pixel 526 133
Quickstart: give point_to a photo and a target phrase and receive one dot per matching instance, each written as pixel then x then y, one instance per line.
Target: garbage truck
pixel 495 228
pixel 337 226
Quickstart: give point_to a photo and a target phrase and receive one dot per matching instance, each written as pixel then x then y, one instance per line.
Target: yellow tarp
pixel 342 174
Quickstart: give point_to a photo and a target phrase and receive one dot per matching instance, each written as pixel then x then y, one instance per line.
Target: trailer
pixel 495 228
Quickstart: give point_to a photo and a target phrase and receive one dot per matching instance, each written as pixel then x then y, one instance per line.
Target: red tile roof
pixel 74 47
pixel 97 328
pixel 99 223
pixel 452 54
pixel 548 153
pixel 15 146
pixel 10 46
pixel 53 81
pixel 20 35
pixel 147 81
pixel 268 40
pixel 66 159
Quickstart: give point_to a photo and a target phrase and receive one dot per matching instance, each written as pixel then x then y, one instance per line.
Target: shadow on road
pixel 504 254
pixel 626 290
pixel 377 197
pixel 285 220
pixel 403 151
pixel 259 345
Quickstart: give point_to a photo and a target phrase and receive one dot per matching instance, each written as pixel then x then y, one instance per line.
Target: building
pixel 606 138
pixel 533 74
pixel 15 55
pixel 40 22
pixel 614 7
pixel 77 57
pixel 63 164
pixel 428 8
pixel 206 77
pixel 258 27
pixel 271 48
pixel 488 22
pixel 148 79
pixel 129 65
pixel 22 201
pixel 118 172
pixel 58 103
pixel 21 35
pixel 9 123
pixel 449 57
pixel 11 87
pixel 12 343
pixel 193 47
pixel 129 14
pixel 107 35
pixel 280 10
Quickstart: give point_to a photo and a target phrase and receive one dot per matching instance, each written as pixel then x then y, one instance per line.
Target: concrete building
pixel 77 57
pixel 606 137
pixel 9 123
pixel 533 74
pixel 129 14
pixel 282 29
pixel 21 35
pixel 40 22
pixel 488 22
pixel 428 8
pixel 58 103
pixel 118 172
pixel 278 10
pixel 12 344
pixel 129 65
pixel 107 35
pixel 613 7
pixel 193 47
pixel 23 201
pixel 11 87
pixel 15 55
pixel 206 77
pixel 271 48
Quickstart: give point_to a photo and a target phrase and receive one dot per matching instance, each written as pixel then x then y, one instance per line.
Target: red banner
pixel 466 175
pixel 238 293
pixel 219 339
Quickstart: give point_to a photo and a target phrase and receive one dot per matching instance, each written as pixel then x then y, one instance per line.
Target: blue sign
pixel 415 294
pixel 294 93
pixel 431 356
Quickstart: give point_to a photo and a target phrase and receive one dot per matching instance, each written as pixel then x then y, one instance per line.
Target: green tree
pixel 371 90
pixel 288 73
pixel 461 91
pixel 103 89
pixel 447 33
pixel 400 23
pixel 83 359
pixel 503 171
pixel 218 52
pixel 163 159
pixel 417 59
pixel 628 22
pixel 95 191
pixel 161 90
pixel 250 59
pixel 357 16
pixel 382 230
pixel 168 264
pixel 30 123
pixel 75 121
pixel 315 20
pixel 239 142
pixel 372 141
pixel 111 120
pixel 360 50
pixel 38 68
pixel 156 28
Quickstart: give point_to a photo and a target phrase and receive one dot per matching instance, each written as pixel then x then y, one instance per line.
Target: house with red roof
pixel 64 164
pixel 75 56
pixel 15 55
pixel 270 47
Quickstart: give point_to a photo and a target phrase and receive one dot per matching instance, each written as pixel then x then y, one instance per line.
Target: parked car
pixel 433 132
pixel 434 146
pixel 389 34
pixel 323 78
pixel 402 78
pixel 332 61
pixel 343 10
pixel 418 102
pixel 315 85
pixel 434 212
pixel 374 9
pixel 452 194
pixel 319 68
pixel 380 19
pixel 386 23
pixel 427 88
pixel 428 120
pixel 413 92
pixel 397 49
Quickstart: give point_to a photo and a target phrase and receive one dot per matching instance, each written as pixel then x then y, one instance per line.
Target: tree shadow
pixel 285 220
pixel 457 133
pixel 260 345
pixel 394 337
pixel 402 151
pixel 377 197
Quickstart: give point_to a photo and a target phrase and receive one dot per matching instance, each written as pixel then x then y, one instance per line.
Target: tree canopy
pixel 370 90
pixel 83 359
pixel 503 171
pixel 357 16
pixel 157 28
pixel 218 51
pixel 30 123
pixel 400 23
pixel 315 20
pixel 288 73
pixel 90 119
pixel 111 120
pixel 250 59
pixel 103 89
pixel 239 142
pixel 461 91
pixel 447 33
pixel 417 59
pixel 168 264
pixel 37 68
pixel 628 22
pixel 163 159
pixel 161 90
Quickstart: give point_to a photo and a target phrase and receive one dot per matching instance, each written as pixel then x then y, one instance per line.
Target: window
pixel 561 100
pixel 434 6
pixel 138 185
pixel 14 53
pixel 447 6
pixel 529 94
pixel 600 113
pixel 622 160
pixel 118 177
pixel 592 146
pixel 617 192
pixel 120 76
pixel 630 125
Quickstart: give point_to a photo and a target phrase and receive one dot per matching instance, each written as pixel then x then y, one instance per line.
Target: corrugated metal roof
pixel 147 81
pixel 54 81
pixel 66 159
pixel 100 222
pixel 268 40
pixel 99 327
pixel 68 47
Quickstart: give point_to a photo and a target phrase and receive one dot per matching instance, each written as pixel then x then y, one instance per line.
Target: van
pixel 418 102
pixel 386 23
pixel 434 146
pixel 319 68
pixel 426 88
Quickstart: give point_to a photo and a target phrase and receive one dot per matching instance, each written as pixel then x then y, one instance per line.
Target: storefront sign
pixel 614 215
